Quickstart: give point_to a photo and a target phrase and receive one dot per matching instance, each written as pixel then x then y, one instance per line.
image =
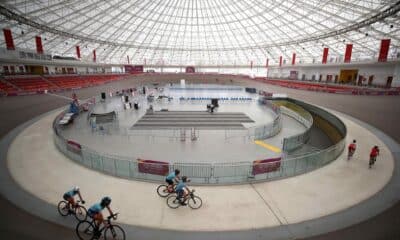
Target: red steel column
pixel 325 55
pixel 78 52
pixel 294 59
pixel 347 55
pixel 280 61
pixel 9 39
pixel 383 52
pixel 127 56
pixel 39 46
pixel 94 55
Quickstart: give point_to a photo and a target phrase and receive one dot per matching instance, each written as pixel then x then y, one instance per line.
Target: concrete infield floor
pixel 45 173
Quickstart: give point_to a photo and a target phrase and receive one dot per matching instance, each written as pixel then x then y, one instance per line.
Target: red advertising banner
pixel 94 55
pixel 134 69
pixel 266 165
pixel 9 39
pixel 190 69
pixel 280 61
pixel 383 52
pixel 325 55
pixel 39 46
pixel 153 167
pixel 347 54
pixel 78 52
pixel 74 147
pixel 294 59
pixel 267 62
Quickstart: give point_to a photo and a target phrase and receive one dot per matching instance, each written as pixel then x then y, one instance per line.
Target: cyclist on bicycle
pixel 171 178
pixel 182 190
pixel 95 211
pixel 70 197
pixel 352 148
pixel 372 156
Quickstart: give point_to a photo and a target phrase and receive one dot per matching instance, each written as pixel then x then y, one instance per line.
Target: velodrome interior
pixel 343 70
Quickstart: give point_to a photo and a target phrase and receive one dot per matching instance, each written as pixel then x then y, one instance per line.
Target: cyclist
pixel 95 211
pixel 171 178
pixel 182 190
pixel 352 148
pixel 70 198
pixel 372 156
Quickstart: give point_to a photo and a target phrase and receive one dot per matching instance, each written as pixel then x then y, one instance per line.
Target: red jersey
pixel 374 152
pixel 352 147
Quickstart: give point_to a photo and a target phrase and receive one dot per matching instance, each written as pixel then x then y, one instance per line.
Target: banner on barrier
pixel 74 147
pixel 266 165
pixel 153 167
pixel 133 69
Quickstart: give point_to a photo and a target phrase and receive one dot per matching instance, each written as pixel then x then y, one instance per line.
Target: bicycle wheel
pixel 195 202
pixel 114 232
pixel 173 202
pixel 62 208
pixel 80 213
pixel 162 191
pixel 85 230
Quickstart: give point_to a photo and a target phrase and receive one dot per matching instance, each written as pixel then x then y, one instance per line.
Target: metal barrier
pixel 207 173
pixel 263 131
pixel 293 142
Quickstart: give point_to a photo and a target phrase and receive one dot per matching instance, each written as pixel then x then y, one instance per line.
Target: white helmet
pixel 76 188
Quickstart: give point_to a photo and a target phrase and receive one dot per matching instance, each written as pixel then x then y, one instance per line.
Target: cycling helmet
pixel 177 171
pixel 76 188
pixel 105 201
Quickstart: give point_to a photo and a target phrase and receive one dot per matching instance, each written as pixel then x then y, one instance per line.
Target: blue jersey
pixel 71 193
pixel 96 208
pixel 181 185
pixel 171 176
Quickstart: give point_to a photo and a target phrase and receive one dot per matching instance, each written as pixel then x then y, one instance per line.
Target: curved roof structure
pixel 205 32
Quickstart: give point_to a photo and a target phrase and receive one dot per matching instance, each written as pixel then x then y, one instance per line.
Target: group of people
pixel 372 155
pixel 182 189
pixel 94 211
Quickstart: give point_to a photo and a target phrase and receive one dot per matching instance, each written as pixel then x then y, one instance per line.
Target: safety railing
pixel 293 142
pixel 202 173
pixel 263 131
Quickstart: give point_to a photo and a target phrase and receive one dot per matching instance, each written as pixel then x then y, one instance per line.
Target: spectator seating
pixel 7 88
pixel 35 84
pixel 32 84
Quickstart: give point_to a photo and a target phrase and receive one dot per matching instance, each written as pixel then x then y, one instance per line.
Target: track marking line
pixel 268 146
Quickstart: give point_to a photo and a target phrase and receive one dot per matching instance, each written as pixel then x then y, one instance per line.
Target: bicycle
pixel 78 210
pixel 88 230
pixel 164 191
pixel 193 201
pixel 350 154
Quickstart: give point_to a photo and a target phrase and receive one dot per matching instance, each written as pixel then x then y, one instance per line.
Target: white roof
pixel 204 32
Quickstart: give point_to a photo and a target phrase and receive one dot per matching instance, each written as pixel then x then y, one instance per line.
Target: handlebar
pixel 113 216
